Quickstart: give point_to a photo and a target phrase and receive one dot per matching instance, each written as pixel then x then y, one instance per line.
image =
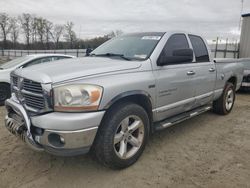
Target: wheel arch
pixel 139 97
pixel 233 80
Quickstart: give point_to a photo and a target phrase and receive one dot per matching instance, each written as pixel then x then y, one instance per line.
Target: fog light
pixel 62 140
pixel 56 140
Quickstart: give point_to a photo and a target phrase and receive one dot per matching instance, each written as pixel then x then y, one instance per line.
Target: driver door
pixel 175 81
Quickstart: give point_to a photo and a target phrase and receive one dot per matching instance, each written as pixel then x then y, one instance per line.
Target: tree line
pixel 40 33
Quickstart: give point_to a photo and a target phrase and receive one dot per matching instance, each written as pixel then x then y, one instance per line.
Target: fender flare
pixel 127 94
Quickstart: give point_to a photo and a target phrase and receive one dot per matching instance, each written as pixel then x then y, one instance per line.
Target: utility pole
pixel 241 12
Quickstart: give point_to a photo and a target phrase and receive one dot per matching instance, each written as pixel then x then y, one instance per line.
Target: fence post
pixel 2 52
pixel 15 53
pixel 225 52
pixel 8 54
pixel 21 53
pixel 216 47
pixel 77 52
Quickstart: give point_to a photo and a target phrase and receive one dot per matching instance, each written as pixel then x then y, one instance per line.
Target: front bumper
pixel 63 134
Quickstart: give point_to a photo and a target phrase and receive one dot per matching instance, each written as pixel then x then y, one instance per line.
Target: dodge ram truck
pixel 110 102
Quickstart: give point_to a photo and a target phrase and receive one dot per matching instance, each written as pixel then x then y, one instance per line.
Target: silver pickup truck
pixel 110 102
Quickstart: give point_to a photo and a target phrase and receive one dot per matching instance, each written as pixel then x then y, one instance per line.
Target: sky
pixel 209 18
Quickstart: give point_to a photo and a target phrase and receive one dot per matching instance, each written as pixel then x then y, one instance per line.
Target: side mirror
pixel 88 51
pixel 179 56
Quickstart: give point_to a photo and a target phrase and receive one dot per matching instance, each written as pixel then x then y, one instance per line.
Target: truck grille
pixel 30 94
pixel 15 81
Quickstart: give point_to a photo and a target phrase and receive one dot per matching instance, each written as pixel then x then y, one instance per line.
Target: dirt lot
pixel 207 151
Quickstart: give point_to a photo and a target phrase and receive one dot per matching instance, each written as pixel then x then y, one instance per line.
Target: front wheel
pixel 122 136
pixel 4 93
pixel 225 103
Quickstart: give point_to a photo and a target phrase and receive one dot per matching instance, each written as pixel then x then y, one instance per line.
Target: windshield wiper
pixel 112 55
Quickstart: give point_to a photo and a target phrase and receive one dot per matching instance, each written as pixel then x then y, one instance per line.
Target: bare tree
pixel 5 27
pixel 26 24
pixel 34 29
pixel 48 31
pixel 41 29
pixel 57 34
pixel 70 35
pixel 14 31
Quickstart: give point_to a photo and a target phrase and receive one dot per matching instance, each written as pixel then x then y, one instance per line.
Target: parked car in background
pixel 22 62
pixel 109 103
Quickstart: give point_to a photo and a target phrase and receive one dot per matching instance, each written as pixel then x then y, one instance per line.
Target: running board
pixel 182 117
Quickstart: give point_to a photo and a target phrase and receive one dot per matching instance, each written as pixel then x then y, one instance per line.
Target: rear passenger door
pixel 205 72
pixel 175 83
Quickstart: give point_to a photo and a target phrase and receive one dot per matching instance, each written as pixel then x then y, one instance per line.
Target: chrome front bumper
pixel 64 134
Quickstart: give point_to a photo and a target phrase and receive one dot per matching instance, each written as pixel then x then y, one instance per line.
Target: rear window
pixel 200 49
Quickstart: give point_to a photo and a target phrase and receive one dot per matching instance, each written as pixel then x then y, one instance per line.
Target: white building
pixel 245 37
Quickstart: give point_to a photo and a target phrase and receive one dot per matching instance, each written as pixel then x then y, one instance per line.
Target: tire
pixel 225 103
pixel 116 133
pixel 4 93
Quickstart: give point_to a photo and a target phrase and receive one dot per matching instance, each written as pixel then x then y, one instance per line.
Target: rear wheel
pixel 4 93
pixel 122 136
pixel 225 103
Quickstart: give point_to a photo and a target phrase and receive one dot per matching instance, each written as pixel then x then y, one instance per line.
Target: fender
pixel 127 94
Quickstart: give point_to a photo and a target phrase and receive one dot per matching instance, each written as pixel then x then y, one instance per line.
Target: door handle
pixel 189 73
pixel 211 69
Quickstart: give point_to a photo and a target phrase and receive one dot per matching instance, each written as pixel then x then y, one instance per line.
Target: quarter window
pixel 200 49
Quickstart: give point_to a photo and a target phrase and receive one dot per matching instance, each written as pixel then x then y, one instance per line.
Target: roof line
pixel 246 15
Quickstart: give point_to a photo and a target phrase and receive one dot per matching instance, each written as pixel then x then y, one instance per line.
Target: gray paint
pixel 175 91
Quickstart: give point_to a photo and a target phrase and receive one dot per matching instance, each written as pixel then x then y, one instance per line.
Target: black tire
pixel 4 92
pixel 104 147
pixel 220 105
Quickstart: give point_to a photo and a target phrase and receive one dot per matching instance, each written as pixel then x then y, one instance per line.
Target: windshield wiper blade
pixel 113 55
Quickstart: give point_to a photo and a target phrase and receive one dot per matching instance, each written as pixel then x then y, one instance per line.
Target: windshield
pixel 14 62
pixel 133 46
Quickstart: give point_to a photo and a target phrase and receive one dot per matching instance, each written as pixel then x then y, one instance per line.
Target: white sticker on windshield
pixel 142 56
pixel 151 38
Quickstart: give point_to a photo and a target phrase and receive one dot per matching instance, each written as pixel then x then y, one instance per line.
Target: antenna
pixel 241 12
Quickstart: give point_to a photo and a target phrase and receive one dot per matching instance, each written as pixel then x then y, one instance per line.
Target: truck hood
pixel 63 70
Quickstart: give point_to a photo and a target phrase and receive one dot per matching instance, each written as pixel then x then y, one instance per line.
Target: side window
pixel 60 57
pixel 175 42
pixel 200 49
pixel 38 61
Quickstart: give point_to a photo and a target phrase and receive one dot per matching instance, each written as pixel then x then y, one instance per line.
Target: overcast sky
pixel 209 18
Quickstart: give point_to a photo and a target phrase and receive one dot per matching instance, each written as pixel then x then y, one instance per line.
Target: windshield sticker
pixel 151 38
pixel 142 56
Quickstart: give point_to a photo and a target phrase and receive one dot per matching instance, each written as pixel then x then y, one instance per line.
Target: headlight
pixel 77 98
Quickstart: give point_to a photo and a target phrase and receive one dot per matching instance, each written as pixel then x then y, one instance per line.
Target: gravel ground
pixel 206 151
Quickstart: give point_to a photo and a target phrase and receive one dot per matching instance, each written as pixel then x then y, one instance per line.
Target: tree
pixel 70 35
pixel 41 29
pixel 48 31
pixel 34 29
pixel 5 27
pixel 57 33
pixel 26 24
pixel 14 31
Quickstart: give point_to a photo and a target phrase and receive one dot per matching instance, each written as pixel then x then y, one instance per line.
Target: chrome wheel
pixel 229 99
pixel 129 137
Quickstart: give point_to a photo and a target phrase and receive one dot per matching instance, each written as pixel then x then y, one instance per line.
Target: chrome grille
pixel 31 86
pixel 31 94
pixel 34 101
pixel 15 81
